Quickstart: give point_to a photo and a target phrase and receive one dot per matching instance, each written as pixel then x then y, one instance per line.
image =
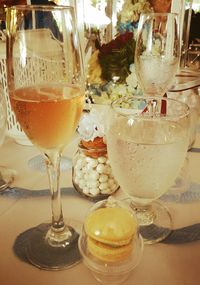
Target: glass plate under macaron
pixel 111 272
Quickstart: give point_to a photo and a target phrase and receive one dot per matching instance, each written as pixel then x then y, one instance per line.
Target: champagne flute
pixel 146 149
pixel 157 52
pixel 46 88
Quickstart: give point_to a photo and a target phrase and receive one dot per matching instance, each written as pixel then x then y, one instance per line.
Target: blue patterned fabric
pixel 191 195
pixel 190 233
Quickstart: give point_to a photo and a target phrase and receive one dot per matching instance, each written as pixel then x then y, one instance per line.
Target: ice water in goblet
pixel 46 88
pixel 146 149
pixel 157 52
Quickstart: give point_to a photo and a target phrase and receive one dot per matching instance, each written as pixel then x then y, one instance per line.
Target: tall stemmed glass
pixel 7 175
pixel 46 87
pixel 157 52
pixel 146 149
pixel 3 118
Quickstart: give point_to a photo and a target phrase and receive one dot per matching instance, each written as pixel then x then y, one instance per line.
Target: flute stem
pixel 59 233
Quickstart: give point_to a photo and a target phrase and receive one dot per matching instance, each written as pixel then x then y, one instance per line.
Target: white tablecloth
pixel 161 263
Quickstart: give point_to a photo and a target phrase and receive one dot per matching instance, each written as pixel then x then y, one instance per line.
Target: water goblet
pixel 46 89
pixel 157 52
pixel 146 150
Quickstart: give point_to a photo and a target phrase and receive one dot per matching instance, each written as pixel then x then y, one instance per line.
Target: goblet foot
pixel 44 255
pixel 155 221
pixel 6 177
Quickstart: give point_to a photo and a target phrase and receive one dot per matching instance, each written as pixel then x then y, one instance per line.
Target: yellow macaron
pixel 113 226
pixel 108 253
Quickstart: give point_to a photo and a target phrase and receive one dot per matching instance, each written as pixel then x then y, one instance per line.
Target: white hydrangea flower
pixel 126 14
pixel 85 127
pixel 131 11
pixel 91 125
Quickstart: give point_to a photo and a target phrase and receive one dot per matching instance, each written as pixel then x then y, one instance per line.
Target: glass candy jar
pixel 92 174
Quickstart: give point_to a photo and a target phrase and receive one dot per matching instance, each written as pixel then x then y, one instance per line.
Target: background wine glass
pixel 46 87
pixel 146 150
pixel 3 117
pixel 7 175
pixel 157 59
pixel 157 52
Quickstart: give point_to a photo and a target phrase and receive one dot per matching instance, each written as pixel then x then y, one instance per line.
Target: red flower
pixel 116 44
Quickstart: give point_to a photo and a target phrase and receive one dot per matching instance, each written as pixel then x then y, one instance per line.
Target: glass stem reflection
pixel 145 214
pixel 58 232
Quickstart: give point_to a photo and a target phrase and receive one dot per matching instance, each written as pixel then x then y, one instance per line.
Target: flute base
pixel 43 255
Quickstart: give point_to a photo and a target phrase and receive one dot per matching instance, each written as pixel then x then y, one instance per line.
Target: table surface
pixel 174 264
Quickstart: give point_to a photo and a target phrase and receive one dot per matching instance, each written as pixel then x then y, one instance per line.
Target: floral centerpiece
pixel 111 71
pixel 129 16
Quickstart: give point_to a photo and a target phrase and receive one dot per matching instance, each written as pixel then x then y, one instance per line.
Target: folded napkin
pixel 21 193
pixel 177 236
pixel 183 235
pixel 190 195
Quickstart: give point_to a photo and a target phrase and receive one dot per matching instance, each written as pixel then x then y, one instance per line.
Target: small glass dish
pixel 111 272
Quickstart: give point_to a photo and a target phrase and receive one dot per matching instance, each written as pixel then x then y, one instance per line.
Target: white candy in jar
pixel 93 184
pixel 103 178
pixel 103 186
pixel 101 168
pixel 102 159
pixel 91 162
pixel 94 191
pixel 94 175
pixel 86 190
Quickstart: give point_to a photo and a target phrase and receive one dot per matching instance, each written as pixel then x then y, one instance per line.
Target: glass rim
pixel 186 112
pixel 40 7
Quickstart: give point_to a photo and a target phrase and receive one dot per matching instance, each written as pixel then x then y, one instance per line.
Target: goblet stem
pixel 59 234
pixel 154 220
pixel 145 214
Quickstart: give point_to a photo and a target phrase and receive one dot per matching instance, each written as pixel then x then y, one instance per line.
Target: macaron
pixel 109 253
pixel 113 225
